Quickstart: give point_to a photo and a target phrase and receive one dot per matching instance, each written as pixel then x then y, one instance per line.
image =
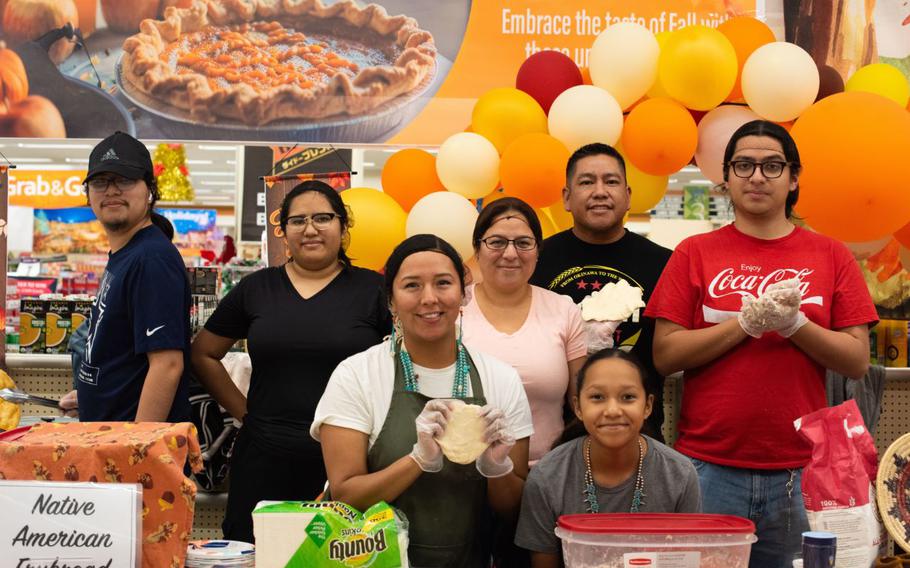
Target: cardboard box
pixel 896 345
pixel 31 325
pixel 58 326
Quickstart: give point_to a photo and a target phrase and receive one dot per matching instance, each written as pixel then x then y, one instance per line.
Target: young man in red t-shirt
pixel 754 313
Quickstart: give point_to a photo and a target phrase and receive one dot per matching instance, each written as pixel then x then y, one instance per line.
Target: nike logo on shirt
pixel 151 332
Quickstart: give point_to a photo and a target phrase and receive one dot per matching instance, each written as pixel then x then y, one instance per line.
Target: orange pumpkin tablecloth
pixel 151 454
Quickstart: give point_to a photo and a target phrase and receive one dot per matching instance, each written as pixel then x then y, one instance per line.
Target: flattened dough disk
pixel 462 442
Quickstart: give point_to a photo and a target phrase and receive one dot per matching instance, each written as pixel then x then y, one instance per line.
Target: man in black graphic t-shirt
pixel 598 250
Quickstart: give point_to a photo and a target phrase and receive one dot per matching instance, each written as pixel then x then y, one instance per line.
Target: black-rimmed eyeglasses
pixel 523 244
pixel 746 168
pixel 320 221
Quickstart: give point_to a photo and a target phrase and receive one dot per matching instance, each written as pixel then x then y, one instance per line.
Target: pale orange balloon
pixel 410 174
pixel 746 34
pixel 561 218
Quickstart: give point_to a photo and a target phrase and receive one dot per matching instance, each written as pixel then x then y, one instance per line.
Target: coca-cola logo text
pixel 728 283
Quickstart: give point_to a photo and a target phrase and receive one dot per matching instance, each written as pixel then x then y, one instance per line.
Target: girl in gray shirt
pixel 611 467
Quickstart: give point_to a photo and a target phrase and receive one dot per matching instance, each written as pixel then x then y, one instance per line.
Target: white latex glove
pixel 495 460
pixel 69 404
pixel 430 423
pixel 599 334
pixel 777 309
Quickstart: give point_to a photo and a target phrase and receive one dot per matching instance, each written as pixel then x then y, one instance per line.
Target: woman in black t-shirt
pixel 300 320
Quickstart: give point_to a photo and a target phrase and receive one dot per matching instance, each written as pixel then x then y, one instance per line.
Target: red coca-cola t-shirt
pixel 739 409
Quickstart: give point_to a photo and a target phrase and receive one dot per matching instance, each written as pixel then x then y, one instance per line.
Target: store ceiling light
pixel 222 174
pixel 77 160
pixel 225 183
pixel 217 148
pixel 199 162
pixel 231 162
pixel 56 146
pixel 29 160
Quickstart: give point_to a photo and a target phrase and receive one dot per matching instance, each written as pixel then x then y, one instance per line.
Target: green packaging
pixel 329 534
pixel 696 202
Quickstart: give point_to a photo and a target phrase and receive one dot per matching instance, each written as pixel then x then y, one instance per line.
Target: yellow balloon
pixel 379 225
pixel 657 89
pixel 502 115
pixel 561 218
pixel 647 190
pixel 547 226
pixel 881 79
pixel 698 67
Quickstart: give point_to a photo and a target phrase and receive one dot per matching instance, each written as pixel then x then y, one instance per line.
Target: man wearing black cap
pixel 136 356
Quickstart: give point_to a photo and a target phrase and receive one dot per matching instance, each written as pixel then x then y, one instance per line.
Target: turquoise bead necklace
pixel 459 385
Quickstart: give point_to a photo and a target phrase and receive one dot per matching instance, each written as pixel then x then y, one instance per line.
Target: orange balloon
pixel 494 195
pixel 659 136
pixel 410 174
pixel 853 148
pixel 903 236
pixel 746 34
pixel 585 76
pixel 533 168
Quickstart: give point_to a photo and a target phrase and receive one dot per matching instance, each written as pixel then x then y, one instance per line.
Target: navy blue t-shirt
pixel 143 305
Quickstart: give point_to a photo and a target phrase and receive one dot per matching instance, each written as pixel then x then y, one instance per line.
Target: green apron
pixel 446 510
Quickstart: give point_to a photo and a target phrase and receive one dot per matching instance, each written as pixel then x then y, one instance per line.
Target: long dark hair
pixel 413 245
pixel 779 133
pixel 576 428
pixel 327 191
pixel 505 205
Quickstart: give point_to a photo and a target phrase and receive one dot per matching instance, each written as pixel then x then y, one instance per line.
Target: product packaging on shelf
pixel 895 343
pixel 58 326
pixel 329 534
pixel 31 325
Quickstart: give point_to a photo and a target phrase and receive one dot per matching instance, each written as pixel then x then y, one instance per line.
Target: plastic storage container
pixel 627 540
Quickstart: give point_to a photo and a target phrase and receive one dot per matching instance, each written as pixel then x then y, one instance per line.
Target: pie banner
pixel 313 71
pixel 276 187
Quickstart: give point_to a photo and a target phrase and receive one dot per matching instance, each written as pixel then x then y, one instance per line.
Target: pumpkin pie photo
pixel 257 62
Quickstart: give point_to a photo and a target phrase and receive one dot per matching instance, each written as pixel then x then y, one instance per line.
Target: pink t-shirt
pixel 540 350
pixel 738 410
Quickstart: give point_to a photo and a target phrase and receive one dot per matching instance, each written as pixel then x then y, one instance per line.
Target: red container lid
pixel 655 523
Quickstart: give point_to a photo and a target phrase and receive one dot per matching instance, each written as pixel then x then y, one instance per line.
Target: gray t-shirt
pixel 554 488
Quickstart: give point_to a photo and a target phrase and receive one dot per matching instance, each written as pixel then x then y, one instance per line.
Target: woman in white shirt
pixel 384 408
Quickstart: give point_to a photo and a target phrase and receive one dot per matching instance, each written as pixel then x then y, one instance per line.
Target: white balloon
pixel 468 164
pixel 904 256
pixel 780 80
pixel 446 215
pixel 584 114
pixel 623 61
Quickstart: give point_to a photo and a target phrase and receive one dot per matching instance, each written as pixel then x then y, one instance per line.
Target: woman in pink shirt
pixel 537 331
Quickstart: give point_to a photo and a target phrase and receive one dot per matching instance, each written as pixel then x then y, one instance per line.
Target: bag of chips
pixel 838 483
pixel 329 534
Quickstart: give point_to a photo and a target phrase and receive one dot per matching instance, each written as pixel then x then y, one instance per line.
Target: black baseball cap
pixel 121 154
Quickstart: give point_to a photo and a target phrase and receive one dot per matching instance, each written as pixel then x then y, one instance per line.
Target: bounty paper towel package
pixel 329 534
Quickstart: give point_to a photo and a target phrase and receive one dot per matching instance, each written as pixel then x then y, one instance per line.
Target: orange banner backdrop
pixel 501 35
pixel 55 189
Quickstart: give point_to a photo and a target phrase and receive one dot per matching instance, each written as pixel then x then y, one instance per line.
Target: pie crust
pixel 260 61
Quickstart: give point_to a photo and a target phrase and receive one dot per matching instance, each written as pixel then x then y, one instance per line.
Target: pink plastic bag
pixel 838 483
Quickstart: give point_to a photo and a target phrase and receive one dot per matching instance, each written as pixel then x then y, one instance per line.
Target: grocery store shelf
pixel 37 361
